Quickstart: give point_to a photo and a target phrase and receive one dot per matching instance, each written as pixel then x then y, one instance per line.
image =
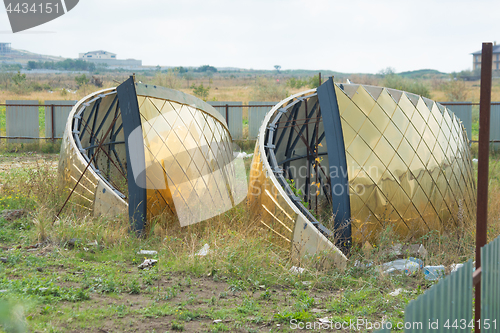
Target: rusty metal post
pixel 227 115
pixel 52 122
pixel 483 166
pixel 319 77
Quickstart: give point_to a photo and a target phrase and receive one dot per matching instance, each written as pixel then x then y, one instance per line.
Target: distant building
pixel 108 58
pixel 97 55
pixel 5 48
pixel 476 59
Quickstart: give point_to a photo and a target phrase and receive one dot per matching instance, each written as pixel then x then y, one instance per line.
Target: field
pixel 79 273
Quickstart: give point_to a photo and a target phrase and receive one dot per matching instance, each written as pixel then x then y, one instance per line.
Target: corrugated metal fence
pixel 26 120
pixel 447 306
pixel 490 285
pixel 234 112
pixel 256 115
pixel 495 125
pixel 24 117
pixel 464 110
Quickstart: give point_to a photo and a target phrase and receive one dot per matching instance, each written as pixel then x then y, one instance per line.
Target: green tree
pixel 201 91
pixel 81 80
pixel 206 68
pixel 32 65
pixel 19 78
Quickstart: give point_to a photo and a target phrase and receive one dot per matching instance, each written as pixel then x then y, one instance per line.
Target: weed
pixel 286 316
pixel 176 326
pixel 134 287
pixel 219 327
pixel 187 315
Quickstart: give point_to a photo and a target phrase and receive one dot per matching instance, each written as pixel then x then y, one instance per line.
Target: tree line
pixel 65 65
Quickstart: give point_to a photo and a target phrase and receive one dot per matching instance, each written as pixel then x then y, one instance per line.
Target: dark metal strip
pixel 337 163
pixel 131 120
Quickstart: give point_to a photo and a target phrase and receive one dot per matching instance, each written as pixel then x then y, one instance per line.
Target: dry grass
pixel 221 88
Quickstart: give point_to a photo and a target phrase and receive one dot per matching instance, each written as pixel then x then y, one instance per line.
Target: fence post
pixel 227 115
pixel 483 166
pixel 52 122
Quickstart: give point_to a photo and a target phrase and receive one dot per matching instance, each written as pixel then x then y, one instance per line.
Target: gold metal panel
pixel 374 167
pixel 429 138
pixel 414 221
pixel 408 183
pixel 388 184
pixel 423 152
pixel 406 106
pixel 384 151
pixel 148 110
pixel 393 135
pixel 433 125
pixel 352 115
pixel 431 218
pixel 140 100
pixel 387 103
pixel 355 201
pixel 400 200
pixel 379 118
pixel 413 137
pixel 400 119
pixel 363 100
pixel 365 225
pixel 418 122
pixel 359 150
pixel 426 182
pixel 343 100
pixel 406 152
pixel 348 132
pixel 397 167
pixel 423 110
pixel 369 133
pixel 157 103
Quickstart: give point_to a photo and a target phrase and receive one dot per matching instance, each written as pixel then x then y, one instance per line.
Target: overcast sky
pixel 346 36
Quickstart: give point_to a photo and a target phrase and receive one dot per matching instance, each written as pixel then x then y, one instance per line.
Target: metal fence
pixel 490 286
pixel 234 112
pixel 464 112
pixel 234 118
pixel 256 114
pixel 27 121
pixel 447 306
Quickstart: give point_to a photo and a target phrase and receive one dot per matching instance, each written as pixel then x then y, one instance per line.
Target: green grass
pixel 243 285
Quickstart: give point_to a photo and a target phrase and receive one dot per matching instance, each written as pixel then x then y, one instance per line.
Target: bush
pixel 201 91
pixel 169 80
pixel 81 80
pixel 296 83
pixel 455 90
pixel 269 90
pixel 395 81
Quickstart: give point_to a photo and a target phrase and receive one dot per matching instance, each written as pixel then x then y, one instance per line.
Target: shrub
pixel 269 90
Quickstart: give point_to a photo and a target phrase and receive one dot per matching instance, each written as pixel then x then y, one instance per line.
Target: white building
pixel 109 59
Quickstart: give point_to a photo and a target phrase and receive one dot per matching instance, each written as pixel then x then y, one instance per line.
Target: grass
pixel 244 284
